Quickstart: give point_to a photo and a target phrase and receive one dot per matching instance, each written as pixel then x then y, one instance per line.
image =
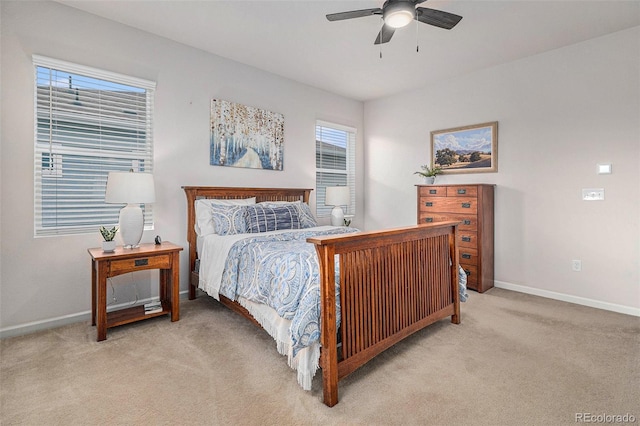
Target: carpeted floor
pixel 515 359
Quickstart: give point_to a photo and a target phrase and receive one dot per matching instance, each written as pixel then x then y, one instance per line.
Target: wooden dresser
pixel 472 205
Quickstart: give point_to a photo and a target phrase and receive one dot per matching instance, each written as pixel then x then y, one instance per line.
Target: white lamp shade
pixel 130 188
pixel 337 196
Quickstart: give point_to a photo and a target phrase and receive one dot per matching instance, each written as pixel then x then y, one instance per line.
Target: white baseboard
pixel 628 310
pixel 32 327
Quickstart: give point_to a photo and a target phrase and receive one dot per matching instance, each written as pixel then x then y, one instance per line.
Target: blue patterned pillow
pixel 307 219
pixel 228 220
pixel 261 218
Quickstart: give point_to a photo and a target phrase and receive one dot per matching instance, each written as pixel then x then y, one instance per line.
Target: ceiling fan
pixel 399 13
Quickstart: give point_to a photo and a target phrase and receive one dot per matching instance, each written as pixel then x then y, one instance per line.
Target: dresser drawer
pixel 468 255
pixel 152 262
pixel 468 239
pixel 432 191
pixel 472 275
pixel 462 191
pixel 449 205
pixel 467 222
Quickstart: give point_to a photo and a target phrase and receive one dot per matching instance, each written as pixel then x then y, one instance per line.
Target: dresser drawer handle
pixel 433 191
pixel 428 204
pixel 466 222
pixel 141 262
pixel 466 239
pixel 462 191
pixel 468 272
pixel 466 256
pixel 466 205
pixel 428 219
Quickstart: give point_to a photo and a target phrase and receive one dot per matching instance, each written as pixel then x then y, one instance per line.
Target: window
pixel 335 163
pixel 88 122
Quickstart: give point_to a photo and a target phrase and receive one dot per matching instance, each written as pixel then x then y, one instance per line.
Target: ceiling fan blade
pixel 385 34
pixel 437 18
pixel 353 14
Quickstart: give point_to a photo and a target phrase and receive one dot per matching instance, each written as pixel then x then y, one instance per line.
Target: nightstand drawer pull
pixel 466 256
pixel 428 204
pixel 466 222
pixel 467 272
pixel 466 205
pixel 433 191
pixel 428 219
pixel 466 239
pixel 462 191
pixel 142 262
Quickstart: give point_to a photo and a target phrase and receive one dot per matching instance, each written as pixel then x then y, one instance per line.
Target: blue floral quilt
pixel 281 271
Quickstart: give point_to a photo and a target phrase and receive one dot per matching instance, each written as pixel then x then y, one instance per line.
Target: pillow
pixel 204 220
pixel 261 218
pixel 307 219
pixel 228 220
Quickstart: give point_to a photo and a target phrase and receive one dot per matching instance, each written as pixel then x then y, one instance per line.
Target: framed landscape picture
pixel 468 149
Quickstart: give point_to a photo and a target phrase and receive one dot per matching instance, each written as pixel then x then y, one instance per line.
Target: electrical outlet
pixel 576 265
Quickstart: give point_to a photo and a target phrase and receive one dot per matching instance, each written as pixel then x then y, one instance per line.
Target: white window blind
pixel 88 122
pixel 335 163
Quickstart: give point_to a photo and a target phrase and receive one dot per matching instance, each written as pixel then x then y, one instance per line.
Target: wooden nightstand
pixel 164 257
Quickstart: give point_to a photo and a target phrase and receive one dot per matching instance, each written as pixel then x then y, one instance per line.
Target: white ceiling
pixel 294 39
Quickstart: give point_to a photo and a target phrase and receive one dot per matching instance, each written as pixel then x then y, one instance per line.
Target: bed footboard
pixel 392 284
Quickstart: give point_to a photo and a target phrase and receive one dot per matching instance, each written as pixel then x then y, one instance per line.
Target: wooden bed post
pixel 455 290
pixel 328 327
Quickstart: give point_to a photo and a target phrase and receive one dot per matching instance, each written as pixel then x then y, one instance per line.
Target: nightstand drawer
pixel 449 205
pixel 467 222
pixel 151 262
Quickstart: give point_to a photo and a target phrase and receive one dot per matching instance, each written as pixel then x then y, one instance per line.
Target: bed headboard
pixel 262 194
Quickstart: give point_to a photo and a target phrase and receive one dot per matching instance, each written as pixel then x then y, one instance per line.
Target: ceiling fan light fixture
pixel 400 15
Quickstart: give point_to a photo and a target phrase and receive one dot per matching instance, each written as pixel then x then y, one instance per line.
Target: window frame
pixel 349 171
pixel 70 146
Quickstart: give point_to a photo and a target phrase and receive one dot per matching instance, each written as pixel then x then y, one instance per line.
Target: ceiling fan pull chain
pixel 417 40
pixel 380 38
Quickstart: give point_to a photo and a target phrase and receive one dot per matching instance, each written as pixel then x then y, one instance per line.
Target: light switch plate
pixel 593 194
pixel 604 169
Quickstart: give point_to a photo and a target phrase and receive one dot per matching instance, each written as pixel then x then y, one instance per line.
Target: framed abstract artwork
pixel 245 136
pixel 467 149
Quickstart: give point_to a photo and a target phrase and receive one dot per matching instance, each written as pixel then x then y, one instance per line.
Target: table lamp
pixel 132 189
pixel 337 196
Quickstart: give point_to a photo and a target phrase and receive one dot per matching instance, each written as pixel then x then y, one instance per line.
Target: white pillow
pixel 204 213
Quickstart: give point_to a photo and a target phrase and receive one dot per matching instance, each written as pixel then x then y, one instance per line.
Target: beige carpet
pixel 515 360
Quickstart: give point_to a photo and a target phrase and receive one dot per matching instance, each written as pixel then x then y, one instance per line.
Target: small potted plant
pixel 429 173
pixel 108 245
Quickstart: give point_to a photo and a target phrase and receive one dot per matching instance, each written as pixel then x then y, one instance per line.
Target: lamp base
pixel 337 216
pixel 131 225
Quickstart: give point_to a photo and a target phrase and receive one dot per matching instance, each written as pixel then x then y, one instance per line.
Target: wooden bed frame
pixel 392 283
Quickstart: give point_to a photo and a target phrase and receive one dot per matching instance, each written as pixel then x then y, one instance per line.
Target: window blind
pixel 335 163
pixel 88 122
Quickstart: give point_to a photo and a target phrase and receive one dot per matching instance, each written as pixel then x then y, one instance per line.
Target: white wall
pixel 46 281
pixel 560 113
